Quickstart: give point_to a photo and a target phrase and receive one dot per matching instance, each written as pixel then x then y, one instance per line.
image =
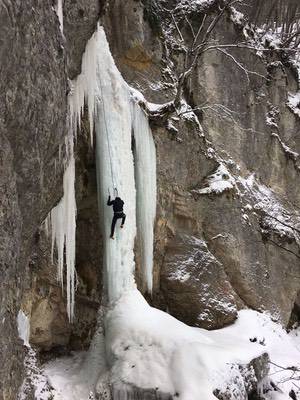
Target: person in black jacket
pixel 117 204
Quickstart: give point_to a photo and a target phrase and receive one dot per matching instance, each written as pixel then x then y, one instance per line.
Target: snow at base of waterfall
pixel 151 349
pixel 76 377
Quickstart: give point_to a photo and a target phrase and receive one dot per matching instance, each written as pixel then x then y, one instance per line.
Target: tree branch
pixel 247 71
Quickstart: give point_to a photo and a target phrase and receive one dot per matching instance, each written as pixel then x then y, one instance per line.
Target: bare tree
pixel 191 37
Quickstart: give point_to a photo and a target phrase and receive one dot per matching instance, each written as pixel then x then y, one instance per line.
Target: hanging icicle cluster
pixel 63 229
pixel 62 218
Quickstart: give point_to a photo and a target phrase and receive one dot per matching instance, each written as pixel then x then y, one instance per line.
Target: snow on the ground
pixel 237 17
pixel 151 349
pixel 75 377
pixel 283 348
pixel 35 381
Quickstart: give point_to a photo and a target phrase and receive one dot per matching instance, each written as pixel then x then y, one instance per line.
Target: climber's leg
pixel 113 224
pixel 123 220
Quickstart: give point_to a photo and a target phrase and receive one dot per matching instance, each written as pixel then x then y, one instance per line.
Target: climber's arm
pixel 110 202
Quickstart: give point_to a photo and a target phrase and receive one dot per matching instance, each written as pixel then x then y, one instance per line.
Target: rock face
pixel 245 379
pixel 194 285
pixel 79 21
pixel 33 124
pixel 217 248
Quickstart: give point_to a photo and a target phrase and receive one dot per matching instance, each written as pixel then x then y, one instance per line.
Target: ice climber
pixel 117 204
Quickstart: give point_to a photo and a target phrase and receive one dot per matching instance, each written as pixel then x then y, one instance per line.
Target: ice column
pixel 113 128
pixel 145 174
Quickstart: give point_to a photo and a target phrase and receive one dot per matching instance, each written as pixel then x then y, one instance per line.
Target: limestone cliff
pixel 227 223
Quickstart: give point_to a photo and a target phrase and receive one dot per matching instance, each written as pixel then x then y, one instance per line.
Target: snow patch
pixel 175 358
pixel 288 151
pixel 237 17
pixel 76 377
pixel 35 381
pixel 275 217
pixel 294 103
pixel 218 182
pixel 189 6
pixel 180 359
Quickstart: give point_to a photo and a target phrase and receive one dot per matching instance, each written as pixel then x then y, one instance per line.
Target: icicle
pixel 145 172
pixel 47 224
pixel 63 227
pixel 84 88
pixel 59 12
pixel 63 216
pixel 23 327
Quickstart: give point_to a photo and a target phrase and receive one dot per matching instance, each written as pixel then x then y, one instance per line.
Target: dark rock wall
pixel 33 89
pixel 80 21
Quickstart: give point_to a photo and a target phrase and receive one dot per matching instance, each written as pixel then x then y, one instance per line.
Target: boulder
pixel 195 286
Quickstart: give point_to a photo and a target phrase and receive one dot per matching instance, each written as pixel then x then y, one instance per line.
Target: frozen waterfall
pixel 116 117
pixel 115 169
